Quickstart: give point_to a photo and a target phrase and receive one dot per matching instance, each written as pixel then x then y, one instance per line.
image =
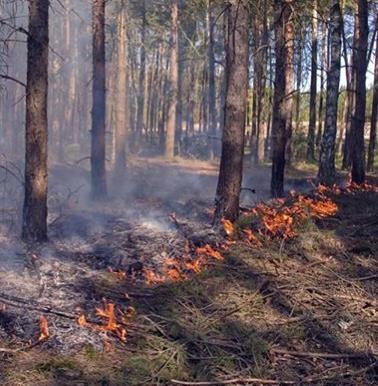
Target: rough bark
pixel 173 91
pixel 282 99
pixel 260 68
pixel 98 171
pixel 313 85
pixel 121 102
pixel 351 95
pixel 324 67
pixel 211 79
pixel 358 122
pixel 142 80
pixel 231 167
pixel 326 172
pixel 374 114
pixel 34 226
pixel 298 95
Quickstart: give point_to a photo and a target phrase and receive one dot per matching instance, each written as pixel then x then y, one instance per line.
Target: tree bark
pixel 121 102
pixel 374 114
pixel 173 92
pixel 300 49
pixel 34 226
pixel 98 170
pixel 211 76
pixel 231 167
pixel 260 68
pixel 324 68
pixel 326 172
pixel 358 123
pixel 282 100
pixel 142 80
pixel 351 95
pixel 313 86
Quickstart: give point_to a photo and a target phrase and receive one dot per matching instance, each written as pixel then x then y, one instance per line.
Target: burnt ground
pixel 301 311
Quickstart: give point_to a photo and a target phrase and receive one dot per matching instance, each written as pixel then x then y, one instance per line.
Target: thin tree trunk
pixel 374 114
pixel 211 78
pixel 313 86
pixel 121 102
pixel 231 166
pixel 282 102
pixel 351 95
pixel 260 72
pixel 299 80
pixel 34 225
pixel 98 171
pixel 321 96
pixel 326 172
pixel 358 122
pixel 142 79
pixel 172 110
pixel 268 142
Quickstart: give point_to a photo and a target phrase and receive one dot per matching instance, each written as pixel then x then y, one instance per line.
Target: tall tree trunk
pixel 231 166
pixel 211 77
pixel 98 170
pixel 351 95
pixel 260 65
pixel 324 68
pixel 374 114
pixel 299 79
pixel 282 101
pixel 313 86
pixel 141 87
pixel 326 173
pixel 121 102
pixel 358 123
pixel 268 142
pixel 34 225
pixel 172 109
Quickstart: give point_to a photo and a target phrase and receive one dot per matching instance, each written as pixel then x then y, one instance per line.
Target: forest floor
pixel 295 310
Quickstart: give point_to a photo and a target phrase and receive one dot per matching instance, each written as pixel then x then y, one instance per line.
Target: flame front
pixel 44 327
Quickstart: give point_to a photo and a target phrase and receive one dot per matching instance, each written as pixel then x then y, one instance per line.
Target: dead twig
pixel 322 354
pixel 340 375
pixel 234 381
pixel 30 305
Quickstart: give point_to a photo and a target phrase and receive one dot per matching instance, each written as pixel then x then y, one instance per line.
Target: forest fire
pixel 175 270
pixel 109 314
pixel 282 221
pixel 43 325
pixel 279 218
pixel 365 187
pixel 209 251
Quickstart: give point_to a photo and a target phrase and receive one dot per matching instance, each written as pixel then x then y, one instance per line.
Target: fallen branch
pixel 234 381
pixel 33 306
pixel 30 305
pixel 322 355
pixel 339 375
pixel 20 349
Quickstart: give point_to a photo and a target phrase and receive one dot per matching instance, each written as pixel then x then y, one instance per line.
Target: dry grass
pixel 263 312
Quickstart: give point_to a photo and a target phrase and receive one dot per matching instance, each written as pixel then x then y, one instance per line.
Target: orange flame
pixel 194 265
pixel 207 250
pixel 365 187
pixel 44 335
pixel 108 312
pixel 151 277
pixel 228 227
pixel 82 321
pixel 279 219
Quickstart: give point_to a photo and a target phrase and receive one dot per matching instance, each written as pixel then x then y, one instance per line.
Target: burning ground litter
pixel 176 300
